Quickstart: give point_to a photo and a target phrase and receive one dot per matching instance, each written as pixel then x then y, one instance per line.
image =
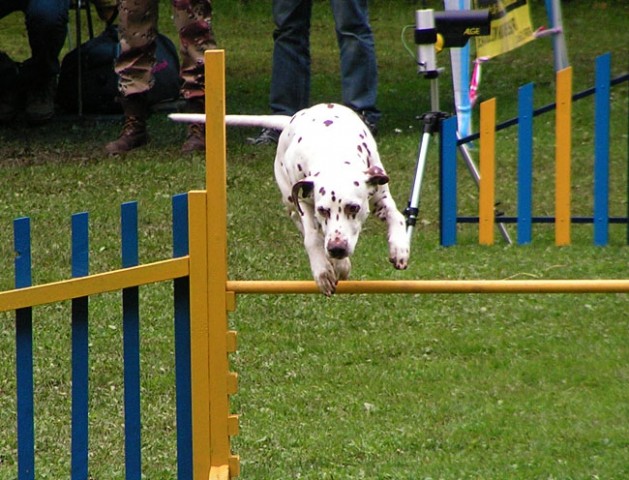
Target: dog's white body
pixel 329 171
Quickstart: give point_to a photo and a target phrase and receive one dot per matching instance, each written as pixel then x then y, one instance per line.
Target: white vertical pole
pixel 460 61
pixel 553 10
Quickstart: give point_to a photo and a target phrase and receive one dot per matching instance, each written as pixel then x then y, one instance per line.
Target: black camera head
pixel 456 27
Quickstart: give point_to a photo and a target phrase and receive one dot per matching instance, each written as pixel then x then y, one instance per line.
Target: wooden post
pixel 563 143
pixel 487 172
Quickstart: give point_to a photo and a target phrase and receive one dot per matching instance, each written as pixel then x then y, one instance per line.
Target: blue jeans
pixel 47 27
pixel 290 78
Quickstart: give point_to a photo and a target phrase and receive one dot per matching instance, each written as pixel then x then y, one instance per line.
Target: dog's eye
pixel 352 209
pixel 324 212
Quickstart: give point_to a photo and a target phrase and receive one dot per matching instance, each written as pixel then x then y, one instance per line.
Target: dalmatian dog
pixel 329 172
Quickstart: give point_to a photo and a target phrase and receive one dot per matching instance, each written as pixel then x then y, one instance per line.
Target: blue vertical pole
pixel 525 163
pixel 601 149
pixel 80 351
pixel 448 182
pixel 24 354
pixel 131 346
pixel 182 342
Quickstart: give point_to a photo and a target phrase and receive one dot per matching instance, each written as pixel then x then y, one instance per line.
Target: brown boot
pixel 133 135
pixel 195 139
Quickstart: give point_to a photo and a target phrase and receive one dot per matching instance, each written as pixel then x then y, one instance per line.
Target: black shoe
pixel 10 96
pixel 40 101
pixel 9 106
pixel 268 136
pixel 371 125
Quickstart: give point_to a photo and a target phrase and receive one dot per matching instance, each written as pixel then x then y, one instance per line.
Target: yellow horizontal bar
pixel 436 286
pixel 93 284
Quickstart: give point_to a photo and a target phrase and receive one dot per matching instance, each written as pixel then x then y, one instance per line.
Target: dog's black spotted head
pixel 340 204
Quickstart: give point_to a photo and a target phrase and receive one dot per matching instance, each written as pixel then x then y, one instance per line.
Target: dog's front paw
pixel 399 254
pixel 326 281
pixel 342 268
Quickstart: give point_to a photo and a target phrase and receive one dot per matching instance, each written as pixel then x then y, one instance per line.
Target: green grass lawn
pixel 350 387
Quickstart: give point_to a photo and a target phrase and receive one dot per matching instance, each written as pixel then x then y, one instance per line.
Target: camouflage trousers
pixel 138 31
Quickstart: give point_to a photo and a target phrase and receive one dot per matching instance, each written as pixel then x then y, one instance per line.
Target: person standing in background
pixel 33 87
pixel 290 76
pixel 136 61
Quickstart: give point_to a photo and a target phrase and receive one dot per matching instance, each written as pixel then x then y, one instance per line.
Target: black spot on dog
pixel 327 123
pixel 322 191
pixel 299 167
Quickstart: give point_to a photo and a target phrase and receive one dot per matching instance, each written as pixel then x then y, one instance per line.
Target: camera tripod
pixel 425 37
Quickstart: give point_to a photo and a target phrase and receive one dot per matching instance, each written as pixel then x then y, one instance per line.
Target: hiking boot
pixel 40 101
pixel 133 135
pixel 268 136
pixel 195 140
pixel 134 132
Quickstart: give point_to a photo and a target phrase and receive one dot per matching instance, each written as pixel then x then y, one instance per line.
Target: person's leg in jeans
pixel 359 70
pixel 290 75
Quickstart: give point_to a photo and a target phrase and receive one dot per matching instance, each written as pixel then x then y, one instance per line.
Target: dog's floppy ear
pixel 376 176
pixel 306 187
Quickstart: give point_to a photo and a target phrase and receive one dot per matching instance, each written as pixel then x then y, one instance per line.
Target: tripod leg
pixel 474 172
pixel 412 210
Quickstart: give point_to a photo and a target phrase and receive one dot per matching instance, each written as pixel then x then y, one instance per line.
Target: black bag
pixel 99 80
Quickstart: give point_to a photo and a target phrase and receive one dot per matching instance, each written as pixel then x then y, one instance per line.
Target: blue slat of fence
pixel 601 149
pixel 80 351
pixel 182 342
pixel 24 353
pixel 131 345
pixel 525 163
pixel 448 182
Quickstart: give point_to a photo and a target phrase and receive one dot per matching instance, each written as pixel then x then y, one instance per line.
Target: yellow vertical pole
pixel 563 141
pixel 222 382
pixel 487 172
pixel 199 334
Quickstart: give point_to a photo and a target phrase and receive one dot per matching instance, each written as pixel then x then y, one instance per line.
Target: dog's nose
pixel 338 249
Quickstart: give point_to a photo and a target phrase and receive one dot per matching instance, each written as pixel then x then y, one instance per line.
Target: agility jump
pixel 203 297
